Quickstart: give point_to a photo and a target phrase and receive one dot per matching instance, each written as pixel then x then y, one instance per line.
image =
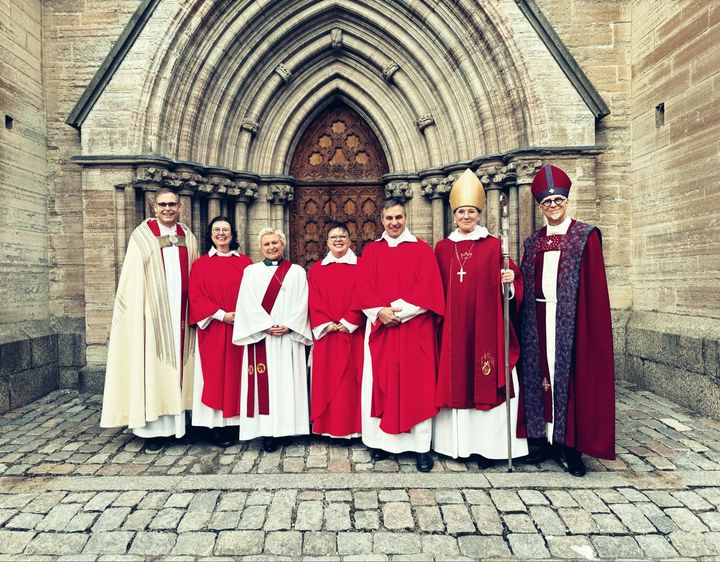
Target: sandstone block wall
pixel 674 331
pixel 24 265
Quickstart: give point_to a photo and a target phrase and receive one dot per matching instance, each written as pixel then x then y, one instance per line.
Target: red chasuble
pixel 404 358
pixel 337 358
pixel 472 356
pixel 214 285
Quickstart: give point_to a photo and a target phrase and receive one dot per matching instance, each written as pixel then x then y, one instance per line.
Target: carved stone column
pixel 244 192
pixel 131 220
pixel 525 170
pixel 492 179
pixel 186 182
pixel 437 189
pixel 150 179
pixel 279 195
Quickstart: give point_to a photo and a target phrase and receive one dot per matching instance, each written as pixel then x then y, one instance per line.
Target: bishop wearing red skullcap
pixel 567 367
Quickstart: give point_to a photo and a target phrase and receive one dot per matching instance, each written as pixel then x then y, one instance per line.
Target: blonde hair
pixel 270 230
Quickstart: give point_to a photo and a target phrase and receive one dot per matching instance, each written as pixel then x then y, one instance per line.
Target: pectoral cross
pixel 461 274
pixel 546 385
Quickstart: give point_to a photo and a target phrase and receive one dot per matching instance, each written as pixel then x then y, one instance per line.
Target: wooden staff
pixel 504 229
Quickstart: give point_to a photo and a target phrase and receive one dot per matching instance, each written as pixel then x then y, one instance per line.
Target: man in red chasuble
pixel 337 355
pixel 401 294
pixel 214 286
pixel 271 320
pixel 149 379
pixel 568 378
pixel 471 377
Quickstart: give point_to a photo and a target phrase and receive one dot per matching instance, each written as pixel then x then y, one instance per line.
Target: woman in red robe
pixel 471 379
pixel 337 356
pixel 214 285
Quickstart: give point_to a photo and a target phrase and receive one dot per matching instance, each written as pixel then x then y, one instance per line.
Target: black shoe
pixel 484 462
pixel 153 444
pixel 378 454
pixel 269 444
pixel 540 455
pixel 572 462
pixel 424 462
pixel 223 437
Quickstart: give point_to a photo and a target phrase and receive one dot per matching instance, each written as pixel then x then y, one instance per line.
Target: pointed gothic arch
pixel 338 164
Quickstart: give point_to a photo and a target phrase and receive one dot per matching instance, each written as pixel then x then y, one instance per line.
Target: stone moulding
pixel 140 18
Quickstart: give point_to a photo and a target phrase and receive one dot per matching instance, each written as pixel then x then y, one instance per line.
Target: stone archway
pixel 338 166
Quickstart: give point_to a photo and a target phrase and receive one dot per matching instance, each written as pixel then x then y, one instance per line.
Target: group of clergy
pixel 407 344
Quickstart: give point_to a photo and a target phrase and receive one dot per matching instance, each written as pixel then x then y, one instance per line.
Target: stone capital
pixel 244 191
pixel 399 190
pixel 437 187
pixel 151 178
pixel 525 170
pixel 280 193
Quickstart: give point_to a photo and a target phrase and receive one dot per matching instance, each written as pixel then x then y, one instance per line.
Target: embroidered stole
pixel 184 276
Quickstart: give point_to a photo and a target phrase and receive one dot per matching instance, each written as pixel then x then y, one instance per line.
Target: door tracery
pixel 338 166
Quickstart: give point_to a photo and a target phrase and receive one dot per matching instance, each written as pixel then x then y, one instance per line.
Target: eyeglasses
pixel 557 202
pixel 337 237
pixel 221 230
pixel 171 204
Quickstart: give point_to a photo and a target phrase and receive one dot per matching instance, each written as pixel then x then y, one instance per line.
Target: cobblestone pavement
pixel 70 490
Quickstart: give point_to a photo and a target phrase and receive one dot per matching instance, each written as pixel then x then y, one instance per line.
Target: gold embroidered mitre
pixel 467 191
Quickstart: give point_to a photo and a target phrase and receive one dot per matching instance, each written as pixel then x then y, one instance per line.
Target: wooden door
pixel 338 166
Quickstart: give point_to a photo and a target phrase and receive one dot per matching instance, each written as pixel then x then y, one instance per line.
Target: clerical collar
pixel 477 233
pixel 213 252
pixel 266 261
pixel 561 228
pixel 164 230
pixel 406 236
pixel 349 258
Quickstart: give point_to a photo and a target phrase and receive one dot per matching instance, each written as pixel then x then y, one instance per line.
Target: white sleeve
pixel 318 330
pixel 372 313
pixel 408 312
pixel 219 316
pixel 351 327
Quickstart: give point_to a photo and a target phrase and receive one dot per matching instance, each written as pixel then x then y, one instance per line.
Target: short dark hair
pixel 333 225
pixel 394 203
pixel 233 232
pixel 164 190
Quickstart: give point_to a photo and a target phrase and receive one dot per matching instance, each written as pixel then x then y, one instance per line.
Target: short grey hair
pixel 270 230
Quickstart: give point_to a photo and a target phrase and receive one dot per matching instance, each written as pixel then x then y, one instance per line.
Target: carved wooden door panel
pixel 315 207
pixel 338 166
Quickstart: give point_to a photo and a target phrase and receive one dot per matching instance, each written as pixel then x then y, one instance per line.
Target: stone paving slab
pixel 70 490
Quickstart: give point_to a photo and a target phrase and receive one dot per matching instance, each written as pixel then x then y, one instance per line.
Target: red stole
pixel 184 275
pixel 257 352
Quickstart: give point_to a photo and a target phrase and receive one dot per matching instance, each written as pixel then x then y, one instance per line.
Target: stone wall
pixel 674 332
pixel 23 167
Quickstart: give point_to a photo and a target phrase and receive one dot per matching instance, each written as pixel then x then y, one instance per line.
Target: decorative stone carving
pixel 280 193
pixel 525 170
pixel 424 121
pixel 151 177
pixel 284 73
pixel 250 125
pixel 389 71
pixel 437 187
pixel 219 184
pixel 244 191
pixel 336 38
pixel 399 190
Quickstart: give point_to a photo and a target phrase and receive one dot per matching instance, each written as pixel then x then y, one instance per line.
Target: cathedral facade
pixel 293 113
